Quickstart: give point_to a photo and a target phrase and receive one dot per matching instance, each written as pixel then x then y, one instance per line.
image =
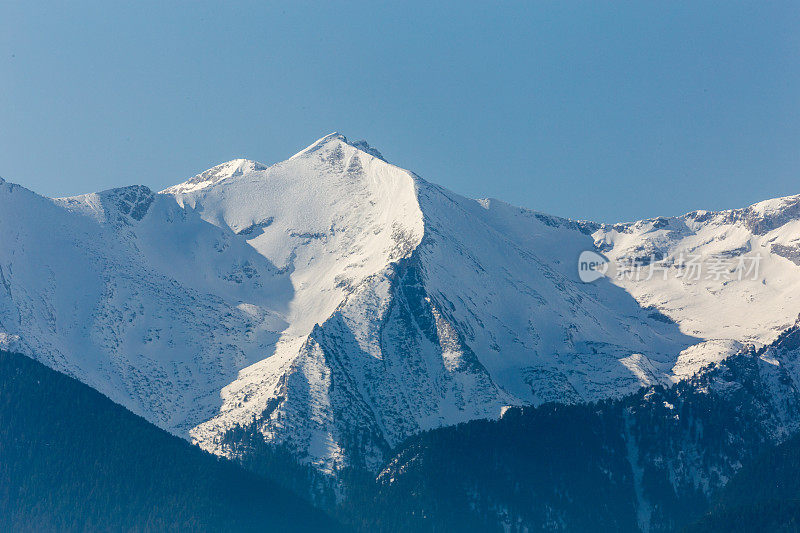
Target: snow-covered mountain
pixel 341 303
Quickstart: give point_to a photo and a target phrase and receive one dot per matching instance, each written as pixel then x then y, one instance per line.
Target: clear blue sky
pixel 596 110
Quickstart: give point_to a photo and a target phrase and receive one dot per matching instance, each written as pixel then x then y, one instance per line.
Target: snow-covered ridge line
pixel 760 217
pixel 223 171
pixel 239 167
pixel 360 145
pixel 341 303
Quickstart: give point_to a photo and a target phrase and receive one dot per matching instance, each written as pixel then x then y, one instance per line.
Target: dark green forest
pixel 72 460
pixel 763 496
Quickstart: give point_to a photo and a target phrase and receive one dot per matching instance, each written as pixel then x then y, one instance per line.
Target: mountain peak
pixel 119 205
pixel 337 137
pixel 364 146
pixel 229 169
pixel 239 167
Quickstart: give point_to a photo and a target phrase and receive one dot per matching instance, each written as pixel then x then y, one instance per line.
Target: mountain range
pixel 335 294
pixel 336 305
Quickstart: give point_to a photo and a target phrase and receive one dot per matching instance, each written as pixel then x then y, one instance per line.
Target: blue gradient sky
pixel 596 110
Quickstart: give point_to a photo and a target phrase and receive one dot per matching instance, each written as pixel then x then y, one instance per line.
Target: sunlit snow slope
pixel 342 303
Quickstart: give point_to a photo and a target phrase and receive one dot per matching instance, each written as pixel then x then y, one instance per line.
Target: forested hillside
pixel 72 460
pixel 654 461
pixel 763 496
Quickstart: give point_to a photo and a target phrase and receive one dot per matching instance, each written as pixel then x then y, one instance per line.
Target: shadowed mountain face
pixel 339 304
pixel 72 460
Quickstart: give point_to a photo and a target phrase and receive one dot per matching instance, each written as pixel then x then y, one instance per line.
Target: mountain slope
pixel 338 303
pixel 414 307
pixel 725 275
pixel 652 461
pixel 134 296
pixel 764 495
pixel 74 461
